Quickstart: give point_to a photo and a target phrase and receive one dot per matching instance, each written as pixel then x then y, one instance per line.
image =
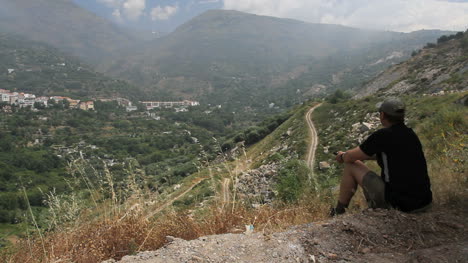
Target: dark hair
pixel 394 119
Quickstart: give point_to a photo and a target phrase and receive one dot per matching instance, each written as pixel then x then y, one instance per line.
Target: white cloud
pixel 163 13
pixel 208 1
pixel 111 3
pixel 133 9
pixel 396 15
pixel 125 9
pixel 116 14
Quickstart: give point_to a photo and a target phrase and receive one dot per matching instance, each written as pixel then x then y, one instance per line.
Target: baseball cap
pixel 392 106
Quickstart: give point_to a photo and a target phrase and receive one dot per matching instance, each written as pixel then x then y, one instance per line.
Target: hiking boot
pixel 335 211
pixel 338 210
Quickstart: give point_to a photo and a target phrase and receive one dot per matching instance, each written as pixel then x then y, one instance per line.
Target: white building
pixel 168 104
pixel 42 100
pixel 26 102
pixel 14 98
pixel 6 97
pixel 131 108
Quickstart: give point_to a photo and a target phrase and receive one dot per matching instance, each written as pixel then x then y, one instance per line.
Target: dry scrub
pixel 124 235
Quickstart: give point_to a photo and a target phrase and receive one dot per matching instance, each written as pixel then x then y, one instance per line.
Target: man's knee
pixel 357 170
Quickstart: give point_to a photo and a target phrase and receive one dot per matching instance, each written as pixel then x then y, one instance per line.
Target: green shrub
pixel 292 180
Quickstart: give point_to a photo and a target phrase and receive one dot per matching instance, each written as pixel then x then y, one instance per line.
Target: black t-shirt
pixel 404 170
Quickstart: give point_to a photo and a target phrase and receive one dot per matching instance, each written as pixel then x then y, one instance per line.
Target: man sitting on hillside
pixel 404 182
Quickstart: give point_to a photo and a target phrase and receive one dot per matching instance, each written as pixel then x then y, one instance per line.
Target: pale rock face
pixel 325 150
pixel 324 166
pixel 365 127
pixel 400 88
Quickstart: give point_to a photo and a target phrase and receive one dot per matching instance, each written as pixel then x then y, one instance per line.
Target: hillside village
pixel 24 100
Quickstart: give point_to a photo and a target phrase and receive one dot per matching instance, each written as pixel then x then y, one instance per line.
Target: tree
pixel 443 39
pixel 39 105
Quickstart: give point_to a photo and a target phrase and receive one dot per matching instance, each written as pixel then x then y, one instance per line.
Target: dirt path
pixel 313 139
pixel 168 203
pixel 225 190
pixel 369 236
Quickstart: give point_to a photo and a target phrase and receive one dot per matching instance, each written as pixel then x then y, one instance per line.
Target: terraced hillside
pixel 33 67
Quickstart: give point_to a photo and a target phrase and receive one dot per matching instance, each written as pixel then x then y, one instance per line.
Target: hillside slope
pixel 33 67
pixel 63 25
pixel 436 68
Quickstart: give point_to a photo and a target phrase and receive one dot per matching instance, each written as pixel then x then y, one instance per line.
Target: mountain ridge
pixel 224 53
pixel 64 25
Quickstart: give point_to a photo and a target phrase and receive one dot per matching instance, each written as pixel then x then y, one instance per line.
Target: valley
pixel 217 137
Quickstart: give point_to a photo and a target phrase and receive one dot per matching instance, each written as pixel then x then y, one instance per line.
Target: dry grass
pixel 115 226
pixel 124 235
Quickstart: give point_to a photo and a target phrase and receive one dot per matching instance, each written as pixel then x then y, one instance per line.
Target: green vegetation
pixel 292 180
pixel 255 134
pixel 42 70
pixel 37 148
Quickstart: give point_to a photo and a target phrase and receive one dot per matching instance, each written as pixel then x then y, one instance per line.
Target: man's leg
pixel 352 177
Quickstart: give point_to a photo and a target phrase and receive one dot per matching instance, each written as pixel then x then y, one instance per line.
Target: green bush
pixel 338 96
pixel 292 180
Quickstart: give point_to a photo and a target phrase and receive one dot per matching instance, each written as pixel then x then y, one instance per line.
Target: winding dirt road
pixel 313 139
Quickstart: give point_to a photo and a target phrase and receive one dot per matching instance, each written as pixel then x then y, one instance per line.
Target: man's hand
pixel 339 156
pixel 351 156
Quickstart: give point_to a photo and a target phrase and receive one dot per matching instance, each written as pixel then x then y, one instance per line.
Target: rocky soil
pixel 440 235
pixel 257 184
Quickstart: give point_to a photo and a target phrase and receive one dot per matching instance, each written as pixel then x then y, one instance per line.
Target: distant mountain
pixel 437 68
pixel 233 57
pixel 63 25
pixel 36 68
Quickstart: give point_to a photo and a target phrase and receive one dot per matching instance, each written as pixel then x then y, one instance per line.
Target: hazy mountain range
pixel 220 56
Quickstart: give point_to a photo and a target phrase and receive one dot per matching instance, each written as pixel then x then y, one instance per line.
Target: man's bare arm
pixel 353 155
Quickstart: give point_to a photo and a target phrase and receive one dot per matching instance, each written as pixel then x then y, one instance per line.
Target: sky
pixel 392 15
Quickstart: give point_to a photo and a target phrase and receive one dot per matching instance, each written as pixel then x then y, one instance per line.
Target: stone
pixel 324 166
pixel 325 150
pixel 171 238
pixel 356 126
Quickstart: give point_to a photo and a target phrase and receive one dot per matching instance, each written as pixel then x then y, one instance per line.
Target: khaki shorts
pixel 374 190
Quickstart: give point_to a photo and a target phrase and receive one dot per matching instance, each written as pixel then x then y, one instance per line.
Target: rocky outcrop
pixel 324 165
pixel 257 185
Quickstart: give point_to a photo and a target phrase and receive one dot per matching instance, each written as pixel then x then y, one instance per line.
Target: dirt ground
pixel 440 235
